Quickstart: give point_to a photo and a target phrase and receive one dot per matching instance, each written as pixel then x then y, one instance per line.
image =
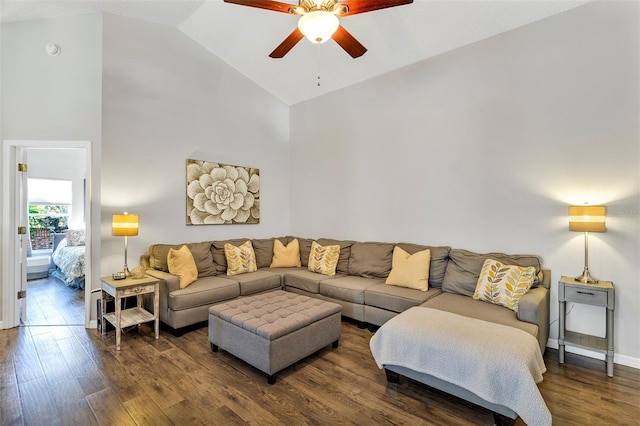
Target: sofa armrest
pixel 533 307
pixel 167 284
pixel 172 282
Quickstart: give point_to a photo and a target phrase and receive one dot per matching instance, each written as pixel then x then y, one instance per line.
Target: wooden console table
pixel 121 318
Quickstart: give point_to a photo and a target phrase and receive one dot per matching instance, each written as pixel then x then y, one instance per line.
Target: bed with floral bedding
pixel 69 259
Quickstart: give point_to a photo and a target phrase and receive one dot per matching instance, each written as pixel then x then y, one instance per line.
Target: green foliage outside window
pixel 53 217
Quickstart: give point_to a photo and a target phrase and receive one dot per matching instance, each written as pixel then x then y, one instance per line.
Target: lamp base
pixel 127 273
pixel 586 277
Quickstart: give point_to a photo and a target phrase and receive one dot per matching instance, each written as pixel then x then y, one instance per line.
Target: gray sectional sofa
pixel 358 286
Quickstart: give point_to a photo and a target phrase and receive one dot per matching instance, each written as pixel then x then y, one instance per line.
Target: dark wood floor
pixel 71 375
pixel 50 302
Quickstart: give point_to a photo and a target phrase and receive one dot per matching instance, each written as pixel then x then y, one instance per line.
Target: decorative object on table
pixel 138 272
pixel 319 21
pixel 221 193
pixel 124 225
pixel 586 219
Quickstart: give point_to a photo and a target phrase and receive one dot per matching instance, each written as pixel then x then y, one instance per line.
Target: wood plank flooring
pixel 71 375
pixel 50 302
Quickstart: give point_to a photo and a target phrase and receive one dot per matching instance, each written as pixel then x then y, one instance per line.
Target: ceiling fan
pixel 319 20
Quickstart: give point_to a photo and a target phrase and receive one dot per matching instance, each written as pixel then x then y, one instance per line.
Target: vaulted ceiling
pixel 244 36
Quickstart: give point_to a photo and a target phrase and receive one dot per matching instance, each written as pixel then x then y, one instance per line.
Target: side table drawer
pixel 133 291
pixel 587 296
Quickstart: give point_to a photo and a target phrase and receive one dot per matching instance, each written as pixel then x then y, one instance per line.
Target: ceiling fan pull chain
pixel 318 59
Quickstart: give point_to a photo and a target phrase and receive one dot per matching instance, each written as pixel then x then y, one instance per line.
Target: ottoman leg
pixel 214 348
pixel 271 378
pixel 335 344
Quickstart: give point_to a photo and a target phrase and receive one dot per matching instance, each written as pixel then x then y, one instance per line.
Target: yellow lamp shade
pixel 587 218
pixel 124 225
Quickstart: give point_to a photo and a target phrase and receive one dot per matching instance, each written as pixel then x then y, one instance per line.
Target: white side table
pixel 132 316
pixel 600 293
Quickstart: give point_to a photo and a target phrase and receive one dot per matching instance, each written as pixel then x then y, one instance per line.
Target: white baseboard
pixel 617 358
pixel 93 323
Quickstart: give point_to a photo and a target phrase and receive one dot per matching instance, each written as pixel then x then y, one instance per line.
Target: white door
pixel 22 232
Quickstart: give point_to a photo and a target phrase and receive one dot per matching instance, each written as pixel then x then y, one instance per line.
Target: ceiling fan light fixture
pixel 318 26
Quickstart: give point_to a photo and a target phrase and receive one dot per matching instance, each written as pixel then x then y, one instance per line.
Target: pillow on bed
pixel 182 265
pixel 504 284
pixel 75 237
pixel 410 270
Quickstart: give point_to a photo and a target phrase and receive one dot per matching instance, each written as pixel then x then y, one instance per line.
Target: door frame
pixel 10 302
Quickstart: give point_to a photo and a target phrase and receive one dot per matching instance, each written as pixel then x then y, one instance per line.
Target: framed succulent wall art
pixel 222 194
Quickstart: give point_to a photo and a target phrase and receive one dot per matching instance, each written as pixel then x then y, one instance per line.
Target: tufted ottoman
pixel 273 330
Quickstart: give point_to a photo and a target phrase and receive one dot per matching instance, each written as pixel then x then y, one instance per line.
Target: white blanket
pixel 500 364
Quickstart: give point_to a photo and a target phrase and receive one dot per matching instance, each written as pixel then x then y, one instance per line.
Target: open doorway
pixel 55 262
pixel 67 163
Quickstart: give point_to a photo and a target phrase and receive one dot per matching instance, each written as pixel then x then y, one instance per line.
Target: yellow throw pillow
pixel 182 265
pixel 286 257
pixel 324 259
pixel 504 284
pixel 410 270
pixel 240 259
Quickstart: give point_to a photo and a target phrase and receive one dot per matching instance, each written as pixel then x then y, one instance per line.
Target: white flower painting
pixel 221 193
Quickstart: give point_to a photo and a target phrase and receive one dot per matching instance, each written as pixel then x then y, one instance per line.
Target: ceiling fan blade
pixel 348 42
pixel 362 6
pixel 288 43
pixel 265 4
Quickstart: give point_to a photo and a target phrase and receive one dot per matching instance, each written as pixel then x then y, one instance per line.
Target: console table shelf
pixel 129 317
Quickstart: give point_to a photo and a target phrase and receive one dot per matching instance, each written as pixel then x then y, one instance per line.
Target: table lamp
pixel 587 219
pixel 125 225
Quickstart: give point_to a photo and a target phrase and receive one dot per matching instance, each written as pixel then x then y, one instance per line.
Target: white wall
pixel 54 98
pixel 484 148
pixel 166 99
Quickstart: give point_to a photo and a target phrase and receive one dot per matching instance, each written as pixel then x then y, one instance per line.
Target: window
pixel 49 209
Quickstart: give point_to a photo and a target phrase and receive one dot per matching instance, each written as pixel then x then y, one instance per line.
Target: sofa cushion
pixel 345 252
pixel 158 256
pixel 396 299
pixel 410 270
pixel 503 284
pixel 240 259
pixel 438 264
pixel 204 291
pixel 286 256
pixel 463 269
pixel 200 251
pixel 348 288
pixel 217 253
pixel 263 248
pixel 182 265
pixel 370 259
pixel 305 249
pixel 258 281
pixel 324 259
pixel 204 260
pixel 467 306
pixel 304 279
